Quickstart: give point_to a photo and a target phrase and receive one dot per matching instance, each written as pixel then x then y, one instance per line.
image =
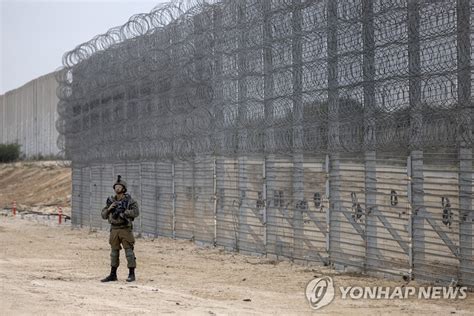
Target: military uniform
pixel 121 219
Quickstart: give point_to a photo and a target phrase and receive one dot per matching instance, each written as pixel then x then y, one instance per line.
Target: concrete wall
pixel 28 115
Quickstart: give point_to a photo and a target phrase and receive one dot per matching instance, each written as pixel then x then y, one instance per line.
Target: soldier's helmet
pixel 121 182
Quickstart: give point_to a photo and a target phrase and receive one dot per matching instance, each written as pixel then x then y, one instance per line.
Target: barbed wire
pixel 273 76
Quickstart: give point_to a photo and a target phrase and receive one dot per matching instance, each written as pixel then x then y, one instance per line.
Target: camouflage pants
pixel 124 237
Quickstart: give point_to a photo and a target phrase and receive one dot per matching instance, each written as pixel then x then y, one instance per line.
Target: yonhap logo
pixel 320 292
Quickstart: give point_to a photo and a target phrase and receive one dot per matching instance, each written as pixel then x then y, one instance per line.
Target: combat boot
pixel 112 276
pixel 131 275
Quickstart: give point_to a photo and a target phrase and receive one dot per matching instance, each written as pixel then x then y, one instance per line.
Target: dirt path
pixel 51 269
pixel 40 186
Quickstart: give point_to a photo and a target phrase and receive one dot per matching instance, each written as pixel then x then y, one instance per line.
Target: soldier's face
pixel 118 188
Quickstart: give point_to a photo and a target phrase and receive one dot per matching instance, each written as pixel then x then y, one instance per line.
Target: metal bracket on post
pixel 410 219
pixel 215 200
pixel 102 168
pixel 156 198
pixel 264 195
pixel 193 200
pixel 417 204
pixel 328 213
pixel 141 198
pixel 90 198
pixel 173 193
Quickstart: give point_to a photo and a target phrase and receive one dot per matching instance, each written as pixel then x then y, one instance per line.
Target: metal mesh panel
pixel 164 200
pixel 150 194
pixel 97 201
pixel 106 190
pixel 203 199
pixel 85 210
pixel 227 202
pixel 185 200
pixel 388 221
pixel 347 236
pixel 76 199
pixel 279 207
pixel 250 217
pixel 467 217
pixel 436 239
pixel 313 230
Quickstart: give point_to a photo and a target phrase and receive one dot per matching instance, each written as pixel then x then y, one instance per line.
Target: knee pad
pixel 115 257
pixel 130 257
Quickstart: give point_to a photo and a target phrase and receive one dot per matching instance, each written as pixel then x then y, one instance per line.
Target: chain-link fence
pixel 330 131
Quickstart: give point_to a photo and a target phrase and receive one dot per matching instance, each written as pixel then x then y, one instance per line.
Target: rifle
pixel 119 209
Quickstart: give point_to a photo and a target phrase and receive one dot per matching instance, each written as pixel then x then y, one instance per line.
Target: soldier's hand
pixel 114 204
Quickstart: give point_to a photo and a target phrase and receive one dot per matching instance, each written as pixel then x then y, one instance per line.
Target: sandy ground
pixel 47 269
pixel 39 186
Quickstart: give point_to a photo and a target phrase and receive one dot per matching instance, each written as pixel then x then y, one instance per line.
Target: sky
pixel 34 34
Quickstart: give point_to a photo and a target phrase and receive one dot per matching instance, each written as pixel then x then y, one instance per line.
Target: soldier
pixel 120 211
